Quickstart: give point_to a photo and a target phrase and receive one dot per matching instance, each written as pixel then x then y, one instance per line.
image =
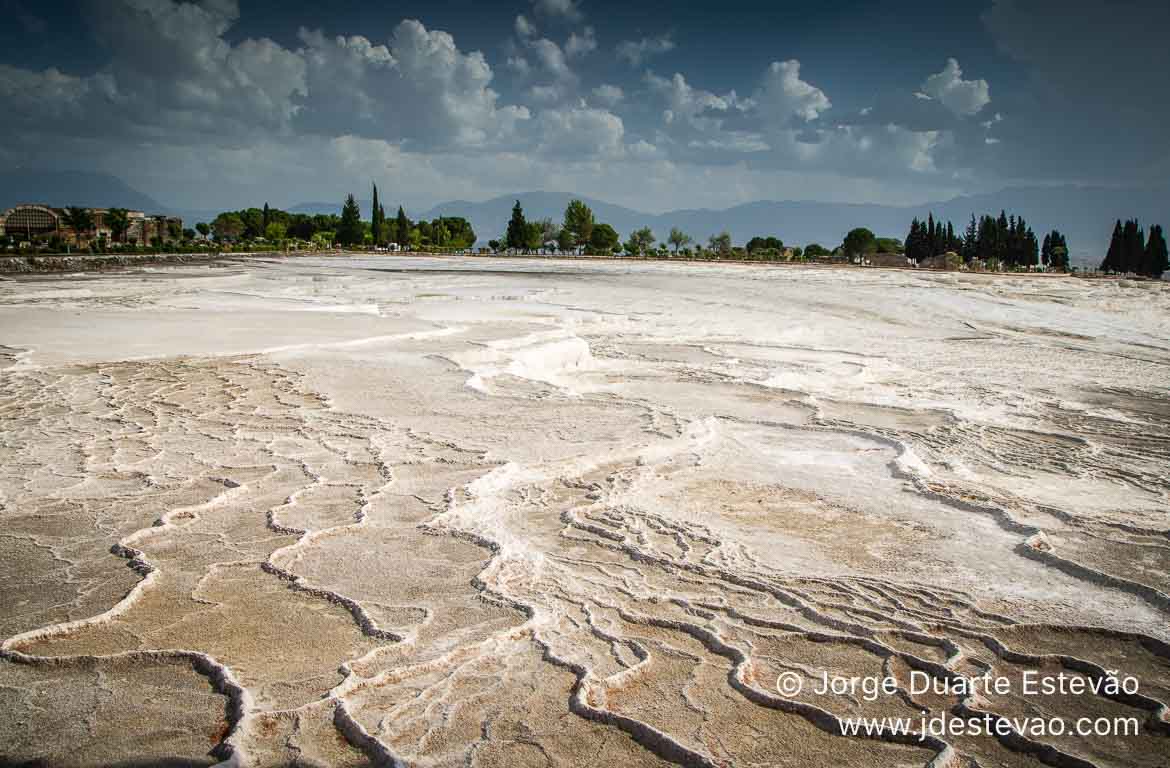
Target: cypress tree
pixel 912 240
pixel 517 235
pixel 264 220
pixel 349 232
pixel 1157 260
pixel 1132 247
pixel 403 225
pixel 1112 261
pixel 970 239
pixel 376 219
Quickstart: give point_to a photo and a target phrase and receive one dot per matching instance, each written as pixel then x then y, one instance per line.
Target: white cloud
pixel 684 100
pixel 580 132
pixel 637 51
pixel 524 27
pixel 784 95
pixel 361 88
pixel 547 94
pixel 579 45
pixel 963 97
pixel 518 64
pixel 608 96
pixel 552 58
pixel 564 9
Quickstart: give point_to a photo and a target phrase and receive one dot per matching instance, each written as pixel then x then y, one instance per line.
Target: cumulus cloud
pixel 579 45
pixel 608 96
pixel 580 132
pixel 420 89
pixel 524 28
pixel 783 95
pixel 637 51
pixel 683 99
pixel 563 9
pixel 170 73
pixel 551 58
pixel 518 64
pixel 963 97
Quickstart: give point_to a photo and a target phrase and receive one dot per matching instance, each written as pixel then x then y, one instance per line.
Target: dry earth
pixel 426 512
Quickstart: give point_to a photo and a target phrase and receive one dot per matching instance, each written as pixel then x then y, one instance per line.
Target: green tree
pixel 118 220
pixel 275 232
pixel 534 235
pixel 861 241
pixel 1157 261
pixel 350 232
pixel 578 222
pixel 517 234
pixel 889 245
pixel 376 217
pixel 604 239
pixel 402 229
pixel 80 220
pixel 1112 261
pixel 720 244
pixel 816 251
pixel 678 239
pixel 227 227
pixel 203 228
pixel 641 240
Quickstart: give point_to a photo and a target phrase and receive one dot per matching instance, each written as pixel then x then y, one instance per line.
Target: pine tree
pixel 970 240
pixel 402 226
pixel 376 219
pixel 1058 251
pixel 912 240
pixel 517 235
pixel 1112 261
pixel 1157 260
pixel 349 231
pixel 1133 248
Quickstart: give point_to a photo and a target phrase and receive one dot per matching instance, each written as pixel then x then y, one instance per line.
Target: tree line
pixel 580 232
pixel 1004 241
pixel 347 229
pixel 1131 253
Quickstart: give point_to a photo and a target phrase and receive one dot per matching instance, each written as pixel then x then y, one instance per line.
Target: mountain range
pixel 1085 214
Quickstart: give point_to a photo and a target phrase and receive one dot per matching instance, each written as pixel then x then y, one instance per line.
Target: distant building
pixel 31 221
pixel 37 222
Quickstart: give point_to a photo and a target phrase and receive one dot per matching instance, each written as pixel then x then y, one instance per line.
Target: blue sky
pixel 652 105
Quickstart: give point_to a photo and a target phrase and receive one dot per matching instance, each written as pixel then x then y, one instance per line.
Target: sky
pixel 654 105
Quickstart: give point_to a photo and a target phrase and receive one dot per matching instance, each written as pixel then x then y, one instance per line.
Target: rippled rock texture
pixel 348 512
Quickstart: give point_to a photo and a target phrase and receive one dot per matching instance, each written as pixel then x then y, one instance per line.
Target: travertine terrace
pixel 441 512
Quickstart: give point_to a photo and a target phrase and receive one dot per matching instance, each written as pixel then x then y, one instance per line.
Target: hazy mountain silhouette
pixel 1084 214
pixel 64 188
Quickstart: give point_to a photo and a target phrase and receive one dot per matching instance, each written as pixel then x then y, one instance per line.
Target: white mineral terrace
pixel 473 512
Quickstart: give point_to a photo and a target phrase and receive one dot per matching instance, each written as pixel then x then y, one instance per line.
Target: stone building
pixel 31 222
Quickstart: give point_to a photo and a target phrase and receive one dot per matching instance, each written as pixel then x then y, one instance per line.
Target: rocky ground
pixel 432 512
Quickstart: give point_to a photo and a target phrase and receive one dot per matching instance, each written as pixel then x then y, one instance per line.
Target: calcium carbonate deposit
pixel 472 512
